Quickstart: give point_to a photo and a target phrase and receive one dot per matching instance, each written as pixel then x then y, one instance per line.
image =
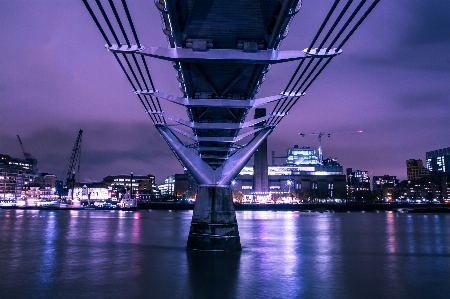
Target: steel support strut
pixel 214 226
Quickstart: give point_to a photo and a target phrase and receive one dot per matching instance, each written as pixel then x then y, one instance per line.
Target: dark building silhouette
pixel 358 182
pixel 260 174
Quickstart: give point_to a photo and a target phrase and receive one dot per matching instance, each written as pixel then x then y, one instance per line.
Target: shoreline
pixel 307 207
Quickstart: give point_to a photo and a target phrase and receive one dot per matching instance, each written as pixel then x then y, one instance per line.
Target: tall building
pixel 439 160
pixel 260 176
pixel 415 170
pixel 15 174
pixel 357 181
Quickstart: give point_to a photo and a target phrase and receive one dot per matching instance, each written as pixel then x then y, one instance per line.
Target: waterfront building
pixel 358 184
pixel 301 178
pixel 144 187
pixel 92 192
pixel 14 175
pixel 167 189
pixel 435 187
pixel 384 187
pixel 439 160
pixel 415 170
pixel 47 180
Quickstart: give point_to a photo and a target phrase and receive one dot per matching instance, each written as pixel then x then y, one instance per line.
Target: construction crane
pixel 319 136
pixel 74 161
pixel 32 160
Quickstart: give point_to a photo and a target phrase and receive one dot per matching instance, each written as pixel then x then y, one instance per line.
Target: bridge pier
pixel 214 226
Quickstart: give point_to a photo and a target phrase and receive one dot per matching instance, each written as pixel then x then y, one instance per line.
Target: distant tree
pixel 188 194
pixel 338 194
pixel 304 195
pixel 377 195
pixel 238 196
pixel 363 195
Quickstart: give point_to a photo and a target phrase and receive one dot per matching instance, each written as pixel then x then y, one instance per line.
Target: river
pixel 141 254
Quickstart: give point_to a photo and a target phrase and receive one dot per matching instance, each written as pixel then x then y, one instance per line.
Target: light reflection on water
pixel 116 254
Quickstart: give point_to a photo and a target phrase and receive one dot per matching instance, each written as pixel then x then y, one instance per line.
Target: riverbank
pixel 315 207
pixel 307 207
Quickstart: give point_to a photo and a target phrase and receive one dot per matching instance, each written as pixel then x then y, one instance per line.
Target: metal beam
pixel 225 55
pixel 216 139
pixel 201 171
pixel 217 126
pixel 222 103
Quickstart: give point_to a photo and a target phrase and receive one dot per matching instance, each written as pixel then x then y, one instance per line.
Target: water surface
pixel 117 254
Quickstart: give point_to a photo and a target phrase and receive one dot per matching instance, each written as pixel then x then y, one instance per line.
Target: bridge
pixel 221 51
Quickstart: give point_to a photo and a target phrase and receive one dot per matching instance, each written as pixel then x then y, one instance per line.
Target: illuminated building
pixel 415 170
pixel 167 189
pixel 143 185
pixel 301 177
pixel 92 191
pixel 439 160
pixel 15 174
pixel 435 187
pixel 358 183
pixel 302 156
pixel 384 186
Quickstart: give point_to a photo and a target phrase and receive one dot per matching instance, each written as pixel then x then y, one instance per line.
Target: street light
pixel 289 183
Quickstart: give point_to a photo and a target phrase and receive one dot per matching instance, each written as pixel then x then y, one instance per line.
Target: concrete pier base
pixel 214 226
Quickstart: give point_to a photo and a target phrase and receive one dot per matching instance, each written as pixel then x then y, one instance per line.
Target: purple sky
pixel 56 78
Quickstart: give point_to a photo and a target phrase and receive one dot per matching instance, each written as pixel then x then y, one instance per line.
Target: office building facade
pixel 15 174
pixel 439 160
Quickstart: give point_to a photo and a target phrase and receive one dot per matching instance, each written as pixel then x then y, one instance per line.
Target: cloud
pixel 430 22
pixel 431 101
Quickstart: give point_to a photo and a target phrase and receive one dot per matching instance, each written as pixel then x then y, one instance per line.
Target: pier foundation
pixel 214 226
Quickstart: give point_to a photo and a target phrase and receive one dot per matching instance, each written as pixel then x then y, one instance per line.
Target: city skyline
pixel 57 78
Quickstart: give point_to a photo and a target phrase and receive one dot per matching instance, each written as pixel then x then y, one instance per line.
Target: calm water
pixel 116 254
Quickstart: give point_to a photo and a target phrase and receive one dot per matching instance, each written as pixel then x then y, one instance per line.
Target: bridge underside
pixel 243 27
pixel 221 51
pixel 240 27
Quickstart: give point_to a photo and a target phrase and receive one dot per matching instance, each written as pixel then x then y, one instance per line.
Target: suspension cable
pixel 125 7
pixel 119 22
pixel 323 24
pixel 96 22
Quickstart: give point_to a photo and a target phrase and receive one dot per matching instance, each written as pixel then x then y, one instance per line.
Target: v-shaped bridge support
pixel 203 174
pixel 214 226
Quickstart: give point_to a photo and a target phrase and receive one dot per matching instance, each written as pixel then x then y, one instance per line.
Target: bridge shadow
pixel 213 274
